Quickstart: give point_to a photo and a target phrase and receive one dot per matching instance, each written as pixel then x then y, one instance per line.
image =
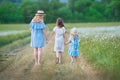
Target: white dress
pixel 59 39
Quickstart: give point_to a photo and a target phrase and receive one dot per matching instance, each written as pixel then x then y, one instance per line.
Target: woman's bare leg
pixel 35 55
pixel 39 55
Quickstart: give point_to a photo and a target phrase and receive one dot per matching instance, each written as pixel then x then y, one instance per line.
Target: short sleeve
pixel 78 39
pixel 37 25
pixel 64 29
pixel 54 29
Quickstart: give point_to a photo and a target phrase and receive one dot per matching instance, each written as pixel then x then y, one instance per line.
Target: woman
pixel 38 34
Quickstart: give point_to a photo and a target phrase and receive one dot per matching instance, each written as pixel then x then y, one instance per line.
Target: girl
pixel 38 34
pixel 59 31
pixel 73 42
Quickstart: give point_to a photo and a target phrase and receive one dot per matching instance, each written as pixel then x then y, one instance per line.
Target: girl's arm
pixel 65 37
pixel 51 34
pixel 67 42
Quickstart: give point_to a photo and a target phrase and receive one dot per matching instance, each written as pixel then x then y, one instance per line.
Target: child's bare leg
pixel 57 58
pixel 71 59
pixel 39 55
pixel 75 59
pixel 35 55
pixel 60 57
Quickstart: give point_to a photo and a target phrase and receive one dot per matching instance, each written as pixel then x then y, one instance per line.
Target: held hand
pixel 46 41
pixel 66 43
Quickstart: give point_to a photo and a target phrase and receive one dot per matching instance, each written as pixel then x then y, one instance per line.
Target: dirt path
pixel 22 66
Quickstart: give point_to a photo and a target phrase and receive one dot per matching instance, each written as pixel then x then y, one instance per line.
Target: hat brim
pixel 40 14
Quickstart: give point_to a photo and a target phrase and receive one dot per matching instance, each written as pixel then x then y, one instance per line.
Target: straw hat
pixel 40 12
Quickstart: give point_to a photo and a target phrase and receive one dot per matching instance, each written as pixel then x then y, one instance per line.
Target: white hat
pixel 40 12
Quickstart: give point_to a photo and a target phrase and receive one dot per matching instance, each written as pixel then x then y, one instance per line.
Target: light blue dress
pixel 74 46
pixel 37 36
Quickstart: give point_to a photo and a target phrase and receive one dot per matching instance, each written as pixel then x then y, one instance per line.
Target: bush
pixel 10 38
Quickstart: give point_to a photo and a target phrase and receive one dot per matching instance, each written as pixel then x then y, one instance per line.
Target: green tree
pixel 71 5
pixel 82 5
pixel 114 9
pixel 9 12
pixel 93 15
pixel 28 9
pixel 65 13
pixel 54 11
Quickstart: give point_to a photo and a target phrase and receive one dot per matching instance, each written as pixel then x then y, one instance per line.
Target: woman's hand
pixel 46 41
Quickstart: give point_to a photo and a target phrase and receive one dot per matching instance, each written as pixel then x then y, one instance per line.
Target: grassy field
pixel 6 27
pixel 13 37
pixel 4 40
pixel 70 25
pixel 102 54
pixel 12 41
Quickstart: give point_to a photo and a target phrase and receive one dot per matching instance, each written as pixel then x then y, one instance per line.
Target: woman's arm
pixel 45 34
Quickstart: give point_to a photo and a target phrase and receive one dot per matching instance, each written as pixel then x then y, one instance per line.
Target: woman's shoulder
pixel 36 22
pixel 37 25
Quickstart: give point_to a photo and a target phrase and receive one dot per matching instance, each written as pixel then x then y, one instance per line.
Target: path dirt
pixel 21 66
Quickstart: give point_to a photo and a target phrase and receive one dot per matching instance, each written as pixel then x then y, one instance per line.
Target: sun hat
pixel 40 12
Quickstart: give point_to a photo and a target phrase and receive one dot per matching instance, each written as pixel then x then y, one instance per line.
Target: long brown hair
pixel 37 18
pixel 60 22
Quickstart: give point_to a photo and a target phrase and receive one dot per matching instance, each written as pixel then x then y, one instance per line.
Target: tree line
pixel 73 11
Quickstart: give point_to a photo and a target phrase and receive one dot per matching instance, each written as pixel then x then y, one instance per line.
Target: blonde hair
pixel 74 32
pixel 38 18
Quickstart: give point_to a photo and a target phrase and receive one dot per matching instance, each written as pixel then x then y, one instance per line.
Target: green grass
pixel 70 25
pixel 4 27
pixel 4 40
pixel 50 26
pixel 14 45
pixel 5 58
pixel 104 54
